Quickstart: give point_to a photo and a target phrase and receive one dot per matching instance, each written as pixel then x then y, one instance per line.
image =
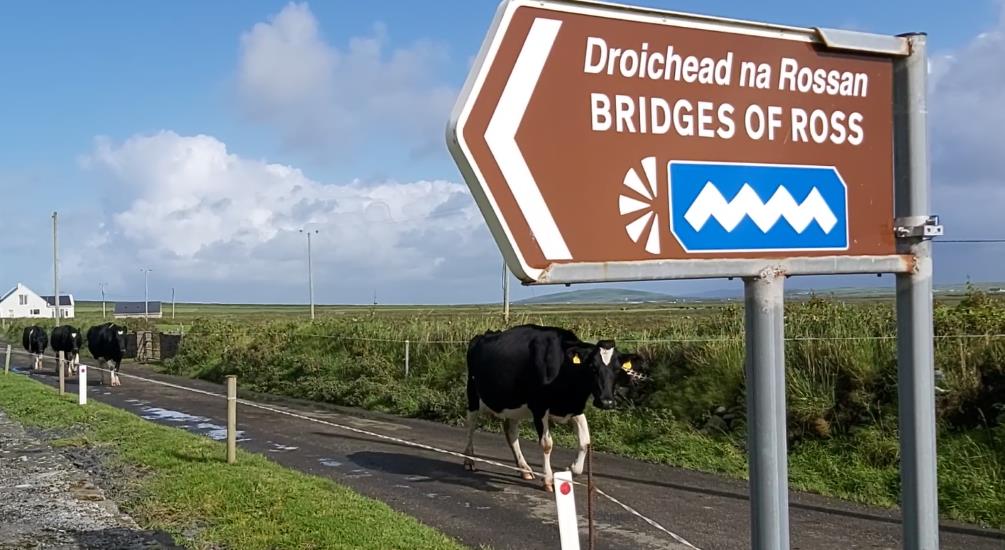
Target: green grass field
pixel 841 380
pixel 185 487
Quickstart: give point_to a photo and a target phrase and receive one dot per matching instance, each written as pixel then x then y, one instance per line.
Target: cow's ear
pixel 577 354
pixel 631 362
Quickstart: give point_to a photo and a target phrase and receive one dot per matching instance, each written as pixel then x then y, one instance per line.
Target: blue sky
pixel 196 137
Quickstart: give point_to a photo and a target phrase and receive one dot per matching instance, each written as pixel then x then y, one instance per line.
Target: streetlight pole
pixel 55 270
pixel 310 271
pixel 101 287
pixel 146 293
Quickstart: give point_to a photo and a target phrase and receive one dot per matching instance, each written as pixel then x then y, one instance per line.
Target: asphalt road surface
pixel 493 506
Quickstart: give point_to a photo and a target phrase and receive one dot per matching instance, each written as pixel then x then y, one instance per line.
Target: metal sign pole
pixel 915 353
pixel 764 315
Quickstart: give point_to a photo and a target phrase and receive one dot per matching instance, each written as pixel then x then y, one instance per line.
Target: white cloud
pixel 968 110
pixel 967 114
pixel 195 211
pixel 325 99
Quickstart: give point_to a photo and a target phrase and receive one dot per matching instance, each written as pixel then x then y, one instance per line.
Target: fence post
pixel 407 346
pixel 82 384
pixel 231 419
pixel 62 373
pixel 6 361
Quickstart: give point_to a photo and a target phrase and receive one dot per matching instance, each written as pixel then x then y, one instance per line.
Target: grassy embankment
pixel 184 486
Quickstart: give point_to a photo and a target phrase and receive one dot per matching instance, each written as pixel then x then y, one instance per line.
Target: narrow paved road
pixel 492 506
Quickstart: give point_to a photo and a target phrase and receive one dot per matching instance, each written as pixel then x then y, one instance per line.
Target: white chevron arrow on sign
pixel 501 137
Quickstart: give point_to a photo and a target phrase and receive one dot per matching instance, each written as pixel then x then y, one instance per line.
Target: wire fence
pixel 635 340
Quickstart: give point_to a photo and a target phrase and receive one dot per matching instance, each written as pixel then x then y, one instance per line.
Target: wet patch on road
pixel 195 424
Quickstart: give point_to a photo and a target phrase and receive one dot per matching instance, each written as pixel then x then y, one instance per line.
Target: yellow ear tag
pixel 576 360
pixel 627 365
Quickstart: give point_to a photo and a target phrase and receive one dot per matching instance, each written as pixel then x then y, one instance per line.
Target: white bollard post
pixel 565 500
pixel 82 385
pixel 6 361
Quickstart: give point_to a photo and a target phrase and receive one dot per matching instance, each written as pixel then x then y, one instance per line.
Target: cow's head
pixel 119 334
pixel 608 368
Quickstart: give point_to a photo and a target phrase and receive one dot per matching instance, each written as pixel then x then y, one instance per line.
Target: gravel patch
pixel 47 501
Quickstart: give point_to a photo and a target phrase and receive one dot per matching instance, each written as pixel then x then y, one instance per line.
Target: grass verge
pixel 187 489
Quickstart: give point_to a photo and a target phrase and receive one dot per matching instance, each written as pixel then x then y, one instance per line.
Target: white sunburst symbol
pixel 646 218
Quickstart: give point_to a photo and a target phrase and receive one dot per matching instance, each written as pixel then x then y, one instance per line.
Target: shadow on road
pixel 92 381
pixel 419 469
pixel 892 518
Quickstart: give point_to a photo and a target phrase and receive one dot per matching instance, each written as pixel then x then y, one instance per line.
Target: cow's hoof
pixel 469 465
pixel 528 476
pixel 548 487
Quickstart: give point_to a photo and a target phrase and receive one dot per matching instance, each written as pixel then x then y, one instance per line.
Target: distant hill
pixel 626 296
pixel 599 296
pixel 847 292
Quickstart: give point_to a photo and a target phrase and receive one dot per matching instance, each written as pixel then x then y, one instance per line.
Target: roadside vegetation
pixel 841 383
pixel 180 483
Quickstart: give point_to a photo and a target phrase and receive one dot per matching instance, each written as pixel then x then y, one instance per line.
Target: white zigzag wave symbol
pixel 711 204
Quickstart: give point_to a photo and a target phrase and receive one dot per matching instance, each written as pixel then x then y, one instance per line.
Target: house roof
pixel 17 288
pixel 134 308
pixel 64 300
pixel 8 294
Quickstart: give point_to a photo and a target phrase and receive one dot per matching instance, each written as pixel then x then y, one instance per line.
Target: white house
pixel 22 302
pixel 66 305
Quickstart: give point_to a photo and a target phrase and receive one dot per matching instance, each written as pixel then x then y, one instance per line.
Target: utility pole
pixel 146 293
pixel 310 273
pixel 172 303
pixel 55 269
pixel 101 287
pixel 505 275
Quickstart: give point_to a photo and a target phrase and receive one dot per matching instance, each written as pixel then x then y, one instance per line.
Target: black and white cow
pixel 69 340
pixel 107 342
pixel 544 373
pixel 35 340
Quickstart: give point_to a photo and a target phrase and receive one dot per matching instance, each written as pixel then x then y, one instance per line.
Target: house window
pixel 34 312
pixel 22 299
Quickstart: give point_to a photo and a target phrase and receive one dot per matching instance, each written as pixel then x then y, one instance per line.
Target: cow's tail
pixel 474 402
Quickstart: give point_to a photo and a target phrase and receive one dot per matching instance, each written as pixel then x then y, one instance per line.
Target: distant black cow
pixel 545 373
pixel 69 340
pixel 107 342
pixel 35 341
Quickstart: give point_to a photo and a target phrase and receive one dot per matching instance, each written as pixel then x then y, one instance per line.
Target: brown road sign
pixel 616 136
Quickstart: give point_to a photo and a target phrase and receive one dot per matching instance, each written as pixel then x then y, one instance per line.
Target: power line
pixel 954 241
